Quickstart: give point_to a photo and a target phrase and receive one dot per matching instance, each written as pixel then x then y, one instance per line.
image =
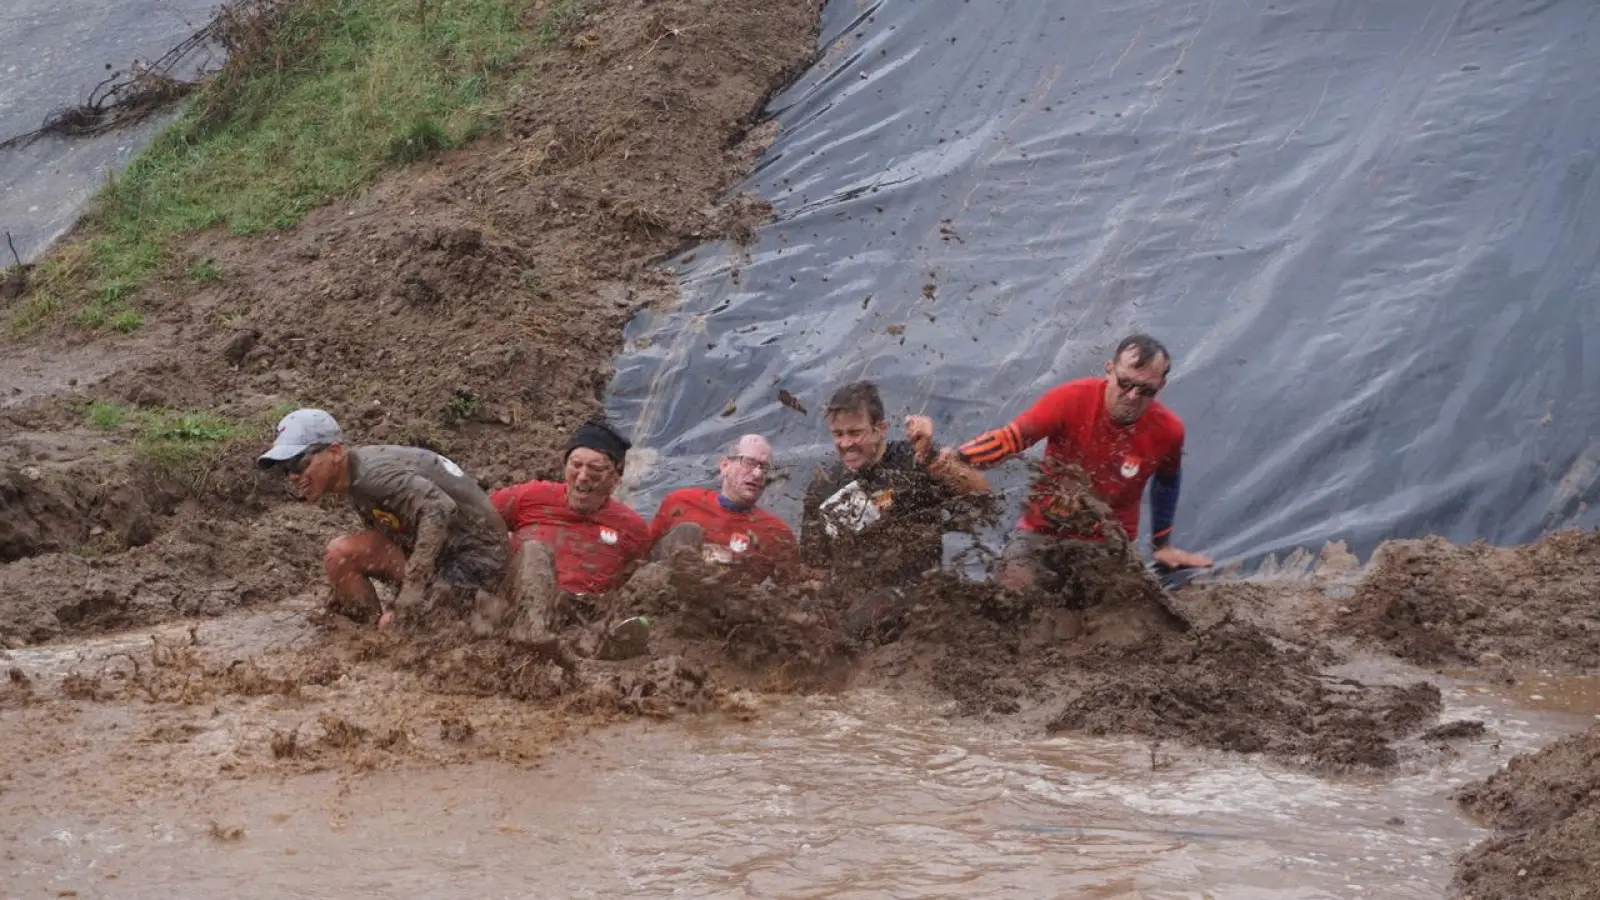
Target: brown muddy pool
pixel 859 796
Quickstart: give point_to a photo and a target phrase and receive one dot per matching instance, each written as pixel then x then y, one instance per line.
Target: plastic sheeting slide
pixel 1367 229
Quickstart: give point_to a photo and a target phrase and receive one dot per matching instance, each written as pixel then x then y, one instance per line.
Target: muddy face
pixel 318 472
pixel 1130 388
pixel 744 472
pixel 590 476
pixel 858 440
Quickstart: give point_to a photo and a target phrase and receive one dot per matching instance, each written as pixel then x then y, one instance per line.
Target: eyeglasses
pixel 750 462
pixel 1144 390
pixel 296 464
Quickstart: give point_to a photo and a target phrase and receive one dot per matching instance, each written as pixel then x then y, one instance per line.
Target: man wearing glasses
pixel 427 520
pixel 725 526
pixel 1110 432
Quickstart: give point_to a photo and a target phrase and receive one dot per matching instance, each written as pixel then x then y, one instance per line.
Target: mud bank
pixel 1546 806
pixel 472 303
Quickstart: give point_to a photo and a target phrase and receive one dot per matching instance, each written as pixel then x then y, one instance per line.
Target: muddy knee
pixel 339 558
pixel 532 593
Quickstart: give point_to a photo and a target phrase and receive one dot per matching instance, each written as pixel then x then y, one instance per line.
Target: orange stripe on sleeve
pixel 992 446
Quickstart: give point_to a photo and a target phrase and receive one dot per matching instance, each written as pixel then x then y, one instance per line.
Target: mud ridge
pixel 1546 808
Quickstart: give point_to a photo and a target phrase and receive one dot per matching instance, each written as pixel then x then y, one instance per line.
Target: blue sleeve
pixel 1163 506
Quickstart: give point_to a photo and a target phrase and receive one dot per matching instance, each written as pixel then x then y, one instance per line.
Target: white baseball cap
pixel 299 430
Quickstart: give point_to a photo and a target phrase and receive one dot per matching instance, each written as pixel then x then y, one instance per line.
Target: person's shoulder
pixel 380 467
pixel 769 519
pixel 1069 397
pixel 532 491
pixel 383 454
pixel 620 515
pixel 899 455
pixel 823 478
pixel 1163 422
pixel 685 496
pixel 1082 389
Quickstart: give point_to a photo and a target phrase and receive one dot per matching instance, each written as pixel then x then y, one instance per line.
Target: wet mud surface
pixel 1434 603
pixel 1546 809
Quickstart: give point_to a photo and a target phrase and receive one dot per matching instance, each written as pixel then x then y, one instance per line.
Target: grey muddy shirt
pixel 397 489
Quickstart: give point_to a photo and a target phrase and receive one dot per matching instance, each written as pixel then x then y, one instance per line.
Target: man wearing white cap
pixel 427 520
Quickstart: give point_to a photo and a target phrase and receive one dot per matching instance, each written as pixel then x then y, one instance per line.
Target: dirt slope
pixel 472 303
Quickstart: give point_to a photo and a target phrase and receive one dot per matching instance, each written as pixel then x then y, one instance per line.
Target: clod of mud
pixel 1434 603
pixel 17 690
pixel 455 730
pixel 1546 806
pixel 226 834
pixel 1460 729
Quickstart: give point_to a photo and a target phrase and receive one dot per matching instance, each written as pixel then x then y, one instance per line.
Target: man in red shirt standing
pixel 1119 436
pixel 725 527
pixel 572 536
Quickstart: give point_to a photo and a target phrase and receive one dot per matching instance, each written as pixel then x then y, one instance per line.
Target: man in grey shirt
pixel 427 520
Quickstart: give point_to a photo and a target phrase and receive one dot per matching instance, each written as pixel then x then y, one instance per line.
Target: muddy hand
pixel 919 431
pixel 410 598
pixel 1173 558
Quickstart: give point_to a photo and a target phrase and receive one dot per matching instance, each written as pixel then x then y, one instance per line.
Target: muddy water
pixel 865 795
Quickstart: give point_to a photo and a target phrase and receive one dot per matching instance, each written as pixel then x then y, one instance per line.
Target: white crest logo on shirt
pixel 739 543
pixel 1130 466
pixel 607 536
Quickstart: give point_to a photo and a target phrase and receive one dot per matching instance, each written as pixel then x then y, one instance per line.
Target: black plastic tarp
pixel 1368 229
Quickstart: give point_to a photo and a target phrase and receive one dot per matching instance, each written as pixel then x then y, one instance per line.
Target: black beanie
pixel 602 437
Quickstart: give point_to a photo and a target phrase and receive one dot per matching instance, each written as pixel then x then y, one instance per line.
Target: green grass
pixel 339 91
pixel 180 444
pixel 556 20
pixel 105 416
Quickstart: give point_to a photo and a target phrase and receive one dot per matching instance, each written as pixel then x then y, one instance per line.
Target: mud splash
pixel 215 759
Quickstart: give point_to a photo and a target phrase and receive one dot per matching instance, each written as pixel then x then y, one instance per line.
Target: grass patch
pixel 184 445
pixel 106 416
pixel 312 105
pixel 556 21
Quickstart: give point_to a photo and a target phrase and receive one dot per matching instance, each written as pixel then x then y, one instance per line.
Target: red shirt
pixel 1072 418
pixel 755 540
pixel 591 551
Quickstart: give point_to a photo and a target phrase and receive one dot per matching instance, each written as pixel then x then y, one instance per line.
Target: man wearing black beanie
pixel 573 536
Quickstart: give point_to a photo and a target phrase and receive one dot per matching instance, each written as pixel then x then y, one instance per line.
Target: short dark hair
pixel 1145 348
pixel 857 396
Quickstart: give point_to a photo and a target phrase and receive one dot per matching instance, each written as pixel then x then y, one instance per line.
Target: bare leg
pixel 351 562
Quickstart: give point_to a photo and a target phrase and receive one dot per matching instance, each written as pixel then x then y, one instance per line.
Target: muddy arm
pixel 431 511
pixel 813 539
pixel 956 476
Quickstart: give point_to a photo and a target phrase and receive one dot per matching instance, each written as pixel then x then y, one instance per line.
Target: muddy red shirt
pixel 755 540
pixel 591 551
pixel 1072 419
